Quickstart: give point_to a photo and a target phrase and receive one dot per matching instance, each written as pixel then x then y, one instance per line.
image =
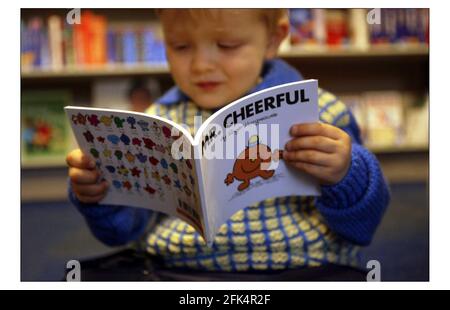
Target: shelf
pixel 93 71
pixel 148 69
pixel 398 149
pixel 44 163
pixel 373 51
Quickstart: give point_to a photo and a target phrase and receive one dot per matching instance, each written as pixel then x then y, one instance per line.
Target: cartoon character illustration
pixel 137 186
pixel 156 176
pixel 141 157
pixel 79 119
pixel 135 172
pixel 164 164
pixel 174 168
pixel 132 121
pixel 153 161
pixel 119 122
pixel 113 139
pixel 156 130
pixel 149 189
pixel 149 144
pixel 93 119
pixel 130 157
pixel 125 139
pixel 166 179
pixel 117 184
pixel 94 152
pixel 122 170
pixel 166 131
pixel 253 162
pixel 177 184
pixel 107 153
pixel 106 120
pixel 88 136
pixel 127 185
pixel 136 141
pixel 143 125
pixel 111 169
pixel 118 154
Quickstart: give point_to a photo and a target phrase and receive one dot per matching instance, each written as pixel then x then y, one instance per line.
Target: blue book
pixel 130 54
pixel 111 38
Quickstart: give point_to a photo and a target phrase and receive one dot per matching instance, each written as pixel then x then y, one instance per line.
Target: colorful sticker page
pixel 133 153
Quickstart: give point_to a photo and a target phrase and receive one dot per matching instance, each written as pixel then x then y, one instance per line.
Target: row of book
pixel 53 43
pixel 390 119
pixel 359 28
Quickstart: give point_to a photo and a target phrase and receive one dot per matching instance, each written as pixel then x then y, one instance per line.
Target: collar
pixel 275 72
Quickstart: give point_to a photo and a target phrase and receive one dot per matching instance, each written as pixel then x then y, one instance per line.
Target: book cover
pixel 44 127
pixel 385 118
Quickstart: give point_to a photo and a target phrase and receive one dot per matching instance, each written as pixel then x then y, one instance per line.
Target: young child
pixel 215 57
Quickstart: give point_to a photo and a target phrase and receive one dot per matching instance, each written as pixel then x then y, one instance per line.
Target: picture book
pixel 233 160
pixel 44 128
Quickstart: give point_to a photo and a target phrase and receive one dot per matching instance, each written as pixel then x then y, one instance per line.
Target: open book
pixel 234 159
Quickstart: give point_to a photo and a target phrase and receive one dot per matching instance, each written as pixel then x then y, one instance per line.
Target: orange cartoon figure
pixel 254 161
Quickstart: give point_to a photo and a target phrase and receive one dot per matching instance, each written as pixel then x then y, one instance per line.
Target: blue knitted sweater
pixel 286 232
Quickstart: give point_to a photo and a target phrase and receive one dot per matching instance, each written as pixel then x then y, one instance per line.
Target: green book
pixel 45 136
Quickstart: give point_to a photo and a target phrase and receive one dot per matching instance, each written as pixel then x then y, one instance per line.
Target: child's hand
pixel 321 150
pixel 84 175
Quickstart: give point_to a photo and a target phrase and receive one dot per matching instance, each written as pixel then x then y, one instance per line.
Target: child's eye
pixel 180 47
pixel 228 46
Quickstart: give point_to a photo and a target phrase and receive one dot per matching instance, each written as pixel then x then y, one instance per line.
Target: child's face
pixel 216 60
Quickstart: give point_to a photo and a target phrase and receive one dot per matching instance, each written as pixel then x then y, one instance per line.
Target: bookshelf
pixel 340 69
pixel 295 54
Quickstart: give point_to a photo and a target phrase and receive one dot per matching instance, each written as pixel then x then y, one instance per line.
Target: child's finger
pixel 309 156
pixel 83 176
pixel 318 172
pixel 319 143
pixel 78 159
pixel 90 190
pixel 315 129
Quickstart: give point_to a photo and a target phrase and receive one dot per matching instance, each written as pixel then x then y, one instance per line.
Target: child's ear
pixel 276 37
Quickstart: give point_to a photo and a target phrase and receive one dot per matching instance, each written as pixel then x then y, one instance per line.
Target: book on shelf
pixel 390 119
pixel 400 26
pixel 95 41
pixel 231 162
pixel 44 127
pixel 385 118
pixel 344 28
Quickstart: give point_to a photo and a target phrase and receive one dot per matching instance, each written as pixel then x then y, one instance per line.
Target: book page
pixel 133 152
pixel 241 145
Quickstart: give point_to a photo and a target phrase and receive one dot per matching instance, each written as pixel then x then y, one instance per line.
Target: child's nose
pixel 203 60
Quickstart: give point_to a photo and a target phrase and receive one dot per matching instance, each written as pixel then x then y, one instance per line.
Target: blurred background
pixel 115 58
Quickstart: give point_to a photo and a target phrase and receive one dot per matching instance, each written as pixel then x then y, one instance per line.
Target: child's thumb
pixel 88 162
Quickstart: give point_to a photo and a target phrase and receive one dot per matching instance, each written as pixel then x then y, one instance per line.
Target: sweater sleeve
pixel 354 207
pixel 111 224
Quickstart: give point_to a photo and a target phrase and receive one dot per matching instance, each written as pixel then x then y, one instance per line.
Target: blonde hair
pixel 271 17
